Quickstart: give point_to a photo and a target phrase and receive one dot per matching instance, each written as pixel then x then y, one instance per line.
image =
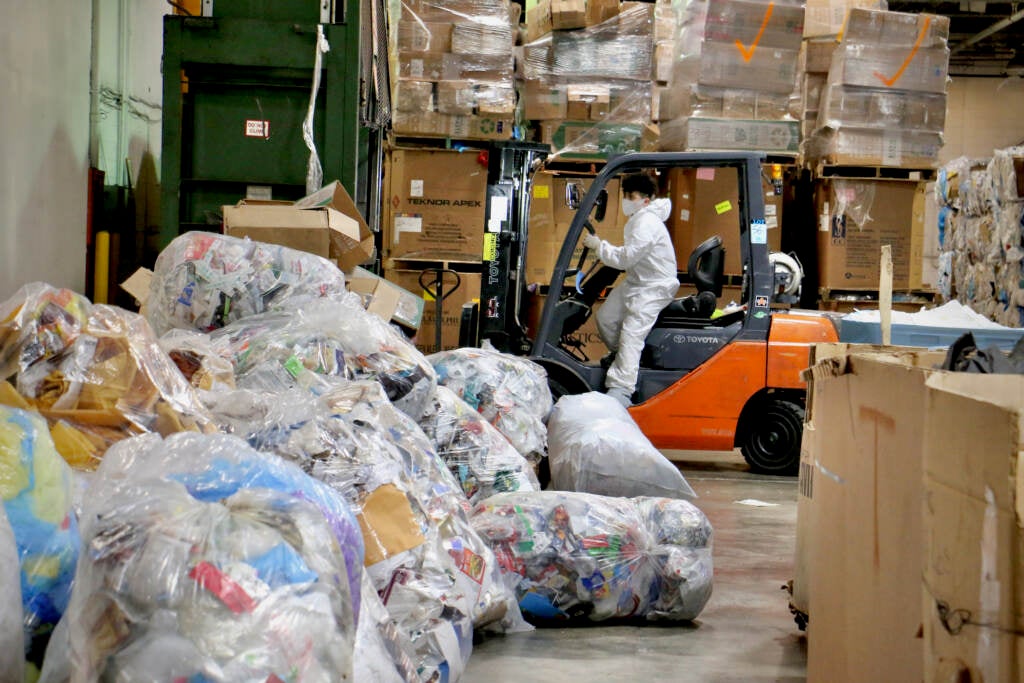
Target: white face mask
pixel 631 206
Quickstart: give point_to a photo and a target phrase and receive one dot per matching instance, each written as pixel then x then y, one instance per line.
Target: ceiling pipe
pixel 991 30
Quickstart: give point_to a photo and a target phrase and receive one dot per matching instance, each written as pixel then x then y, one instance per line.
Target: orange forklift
pixel 709 379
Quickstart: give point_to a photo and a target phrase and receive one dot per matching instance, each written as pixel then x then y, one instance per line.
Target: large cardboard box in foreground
pixel 435 203
pixel 974 528
pixel 469 290
pixel 326 223
pixel 855 218
pixel 860 512
pixel 386 299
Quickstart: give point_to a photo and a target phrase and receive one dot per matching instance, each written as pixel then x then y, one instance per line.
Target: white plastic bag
pixel 12 635
pixel 594 446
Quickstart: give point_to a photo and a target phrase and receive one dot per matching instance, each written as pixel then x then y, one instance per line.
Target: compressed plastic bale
pixel 12 634
pixel 36 489
pixel 204 559
pixel 95 372
pixel 594 446
pixel 323 342
pixel 483 460
pixel 511 393
pixel 381 650
pixel 577 555
pixel 203 281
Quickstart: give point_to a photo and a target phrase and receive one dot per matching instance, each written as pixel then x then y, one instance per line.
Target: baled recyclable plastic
pixel 477 454
pixel 203 281
pixel 321 343
pixel 511 393
pixel 594 446
pixel 36 491
pixel 577 555
pixel 204 559
pixel 12 634
pixel 95 372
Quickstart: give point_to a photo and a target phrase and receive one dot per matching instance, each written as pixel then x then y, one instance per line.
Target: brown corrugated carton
pixel 568 14
pixel 542 100
pixel 468 291
pixel 455 97
pixel 414 96
pixel 418 36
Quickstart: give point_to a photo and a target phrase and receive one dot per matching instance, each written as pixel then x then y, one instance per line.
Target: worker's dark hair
pixel 639 182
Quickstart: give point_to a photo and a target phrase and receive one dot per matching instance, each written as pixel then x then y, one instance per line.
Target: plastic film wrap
pixel 576 555
pixel 203 281
pixel 37 498
pixel 322 343
pixel 881 108
pixel 619 101
pixel 194 355
pixel 596 447
pixel 96 372
pixel 206 560
pixel 477 454
pixel 509 392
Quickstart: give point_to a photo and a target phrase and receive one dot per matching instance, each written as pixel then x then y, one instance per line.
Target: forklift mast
pixel 510 168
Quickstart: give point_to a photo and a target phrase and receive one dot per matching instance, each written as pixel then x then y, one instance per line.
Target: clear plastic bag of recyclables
pixel 511 393
pixel 577 555
pixel 478 455
pixel 202 281
pixel 594 446
pixel 205 560
pixel 330 339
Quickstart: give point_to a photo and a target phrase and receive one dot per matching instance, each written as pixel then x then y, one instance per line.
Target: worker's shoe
pixel 624 397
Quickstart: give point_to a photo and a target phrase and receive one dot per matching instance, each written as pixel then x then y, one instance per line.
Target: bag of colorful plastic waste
pixel 95 372
pixel 36 489
pixel 594 446
pixel 383 654
pixel 203 281
pixel 12 633
pixel 205 560
pixel 198 361
pixel 483 460
pixel 324 341
pixel 511 393
pixel 578 555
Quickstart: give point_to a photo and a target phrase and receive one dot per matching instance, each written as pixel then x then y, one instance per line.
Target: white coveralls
pixel 629 313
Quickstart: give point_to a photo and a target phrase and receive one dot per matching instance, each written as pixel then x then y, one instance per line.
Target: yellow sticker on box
pixel 722 207
pixel 490 246
pixel 541 191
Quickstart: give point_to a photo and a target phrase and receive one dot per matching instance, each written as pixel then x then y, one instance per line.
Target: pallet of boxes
pixel 454 92
pixel 879 115
pixel 729 80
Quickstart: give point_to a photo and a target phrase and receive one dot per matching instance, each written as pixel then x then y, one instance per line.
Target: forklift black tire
pixel 771 440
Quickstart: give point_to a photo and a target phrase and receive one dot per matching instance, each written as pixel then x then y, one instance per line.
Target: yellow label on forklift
pixel 541 191
pixel 490 246
pixel 722 207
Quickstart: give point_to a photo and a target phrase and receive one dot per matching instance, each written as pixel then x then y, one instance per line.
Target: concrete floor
pixel 745 633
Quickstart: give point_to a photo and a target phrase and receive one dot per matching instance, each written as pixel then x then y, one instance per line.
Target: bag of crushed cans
pixel 478 455
pixel 95 372
pixel 594 446
pixel 203 281
pixel 324 341
pixel 511 393
pixel 205 560
pixel 583 556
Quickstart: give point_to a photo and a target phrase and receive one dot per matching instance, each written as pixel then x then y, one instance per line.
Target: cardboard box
pixel 705 202
pixel 664 59
pixel 455 98
pixel 538 21
pixel 496 100
pixel 422 66
pixel 588 101
pixel 436 124
pixel 973 519
pixel 864 480
pixel 817 54
pixel 568 14
pixel 873 66
pixel 600 11
pixel 848 255
pixel 414 96
pixel 478 67
pixel 480 38
pixel 873 26
pixel 542 100
pixel 597 141
pixel 587 335
pixel 748 22
pixel 436 201
pixel 326 223
pixel 665 26
pixel 468 291
pixel 899 148
pixel 720 65
pixel 828 17
pixel 418 36
pixel 386 299
pixel 698 133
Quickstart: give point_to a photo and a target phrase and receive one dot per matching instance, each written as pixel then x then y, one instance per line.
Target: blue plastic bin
pixel 859 332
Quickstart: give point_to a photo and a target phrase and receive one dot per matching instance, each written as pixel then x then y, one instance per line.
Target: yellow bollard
pixel 101 273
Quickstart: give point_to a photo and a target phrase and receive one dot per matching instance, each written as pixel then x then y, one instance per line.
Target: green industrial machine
pixel 237 83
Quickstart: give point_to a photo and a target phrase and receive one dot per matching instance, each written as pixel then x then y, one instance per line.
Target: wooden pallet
pixel 460 264
pixel 874 172
pixel 845 301
pixel 441 143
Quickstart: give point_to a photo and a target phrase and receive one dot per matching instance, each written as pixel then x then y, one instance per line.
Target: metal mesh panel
pixel 375 110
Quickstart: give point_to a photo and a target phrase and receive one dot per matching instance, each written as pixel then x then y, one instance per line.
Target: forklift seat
pixel 706 269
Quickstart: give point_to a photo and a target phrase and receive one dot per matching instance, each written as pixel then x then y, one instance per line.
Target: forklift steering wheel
pixel 573 272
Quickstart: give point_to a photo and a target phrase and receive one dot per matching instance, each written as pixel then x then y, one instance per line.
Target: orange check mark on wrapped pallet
pixel 748 52
pixel 910 57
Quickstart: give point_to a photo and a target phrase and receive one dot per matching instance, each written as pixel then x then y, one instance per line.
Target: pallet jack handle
pixel 435 288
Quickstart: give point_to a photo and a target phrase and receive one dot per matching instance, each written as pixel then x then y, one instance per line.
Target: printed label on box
pixel 407 224
pixel 684 214
pixel 770 210
pixel 416 68
pixel 892 149
pixel 758 232
pixel 723 207
pixel 415 188
pixel 541 191
pixel 705 173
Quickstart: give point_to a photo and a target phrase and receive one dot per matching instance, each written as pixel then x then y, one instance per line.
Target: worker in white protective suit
pixel 629 313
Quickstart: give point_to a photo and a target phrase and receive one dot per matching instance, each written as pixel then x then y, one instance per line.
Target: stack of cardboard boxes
pixel 665 29
pixel 455 69
pixel 733 77
pixel 588 92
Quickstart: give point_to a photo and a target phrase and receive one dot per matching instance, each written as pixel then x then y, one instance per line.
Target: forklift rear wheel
pixel 771 442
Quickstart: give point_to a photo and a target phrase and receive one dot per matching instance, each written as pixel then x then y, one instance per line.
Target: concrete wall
pixel 44 142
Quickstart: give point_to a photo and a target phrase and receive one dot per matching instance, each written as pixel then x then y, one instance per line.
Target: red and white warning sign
pixel 254 128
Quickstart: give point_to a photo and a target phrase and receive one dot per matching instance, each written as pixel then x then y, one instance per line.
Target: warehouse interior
pixel 305 375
